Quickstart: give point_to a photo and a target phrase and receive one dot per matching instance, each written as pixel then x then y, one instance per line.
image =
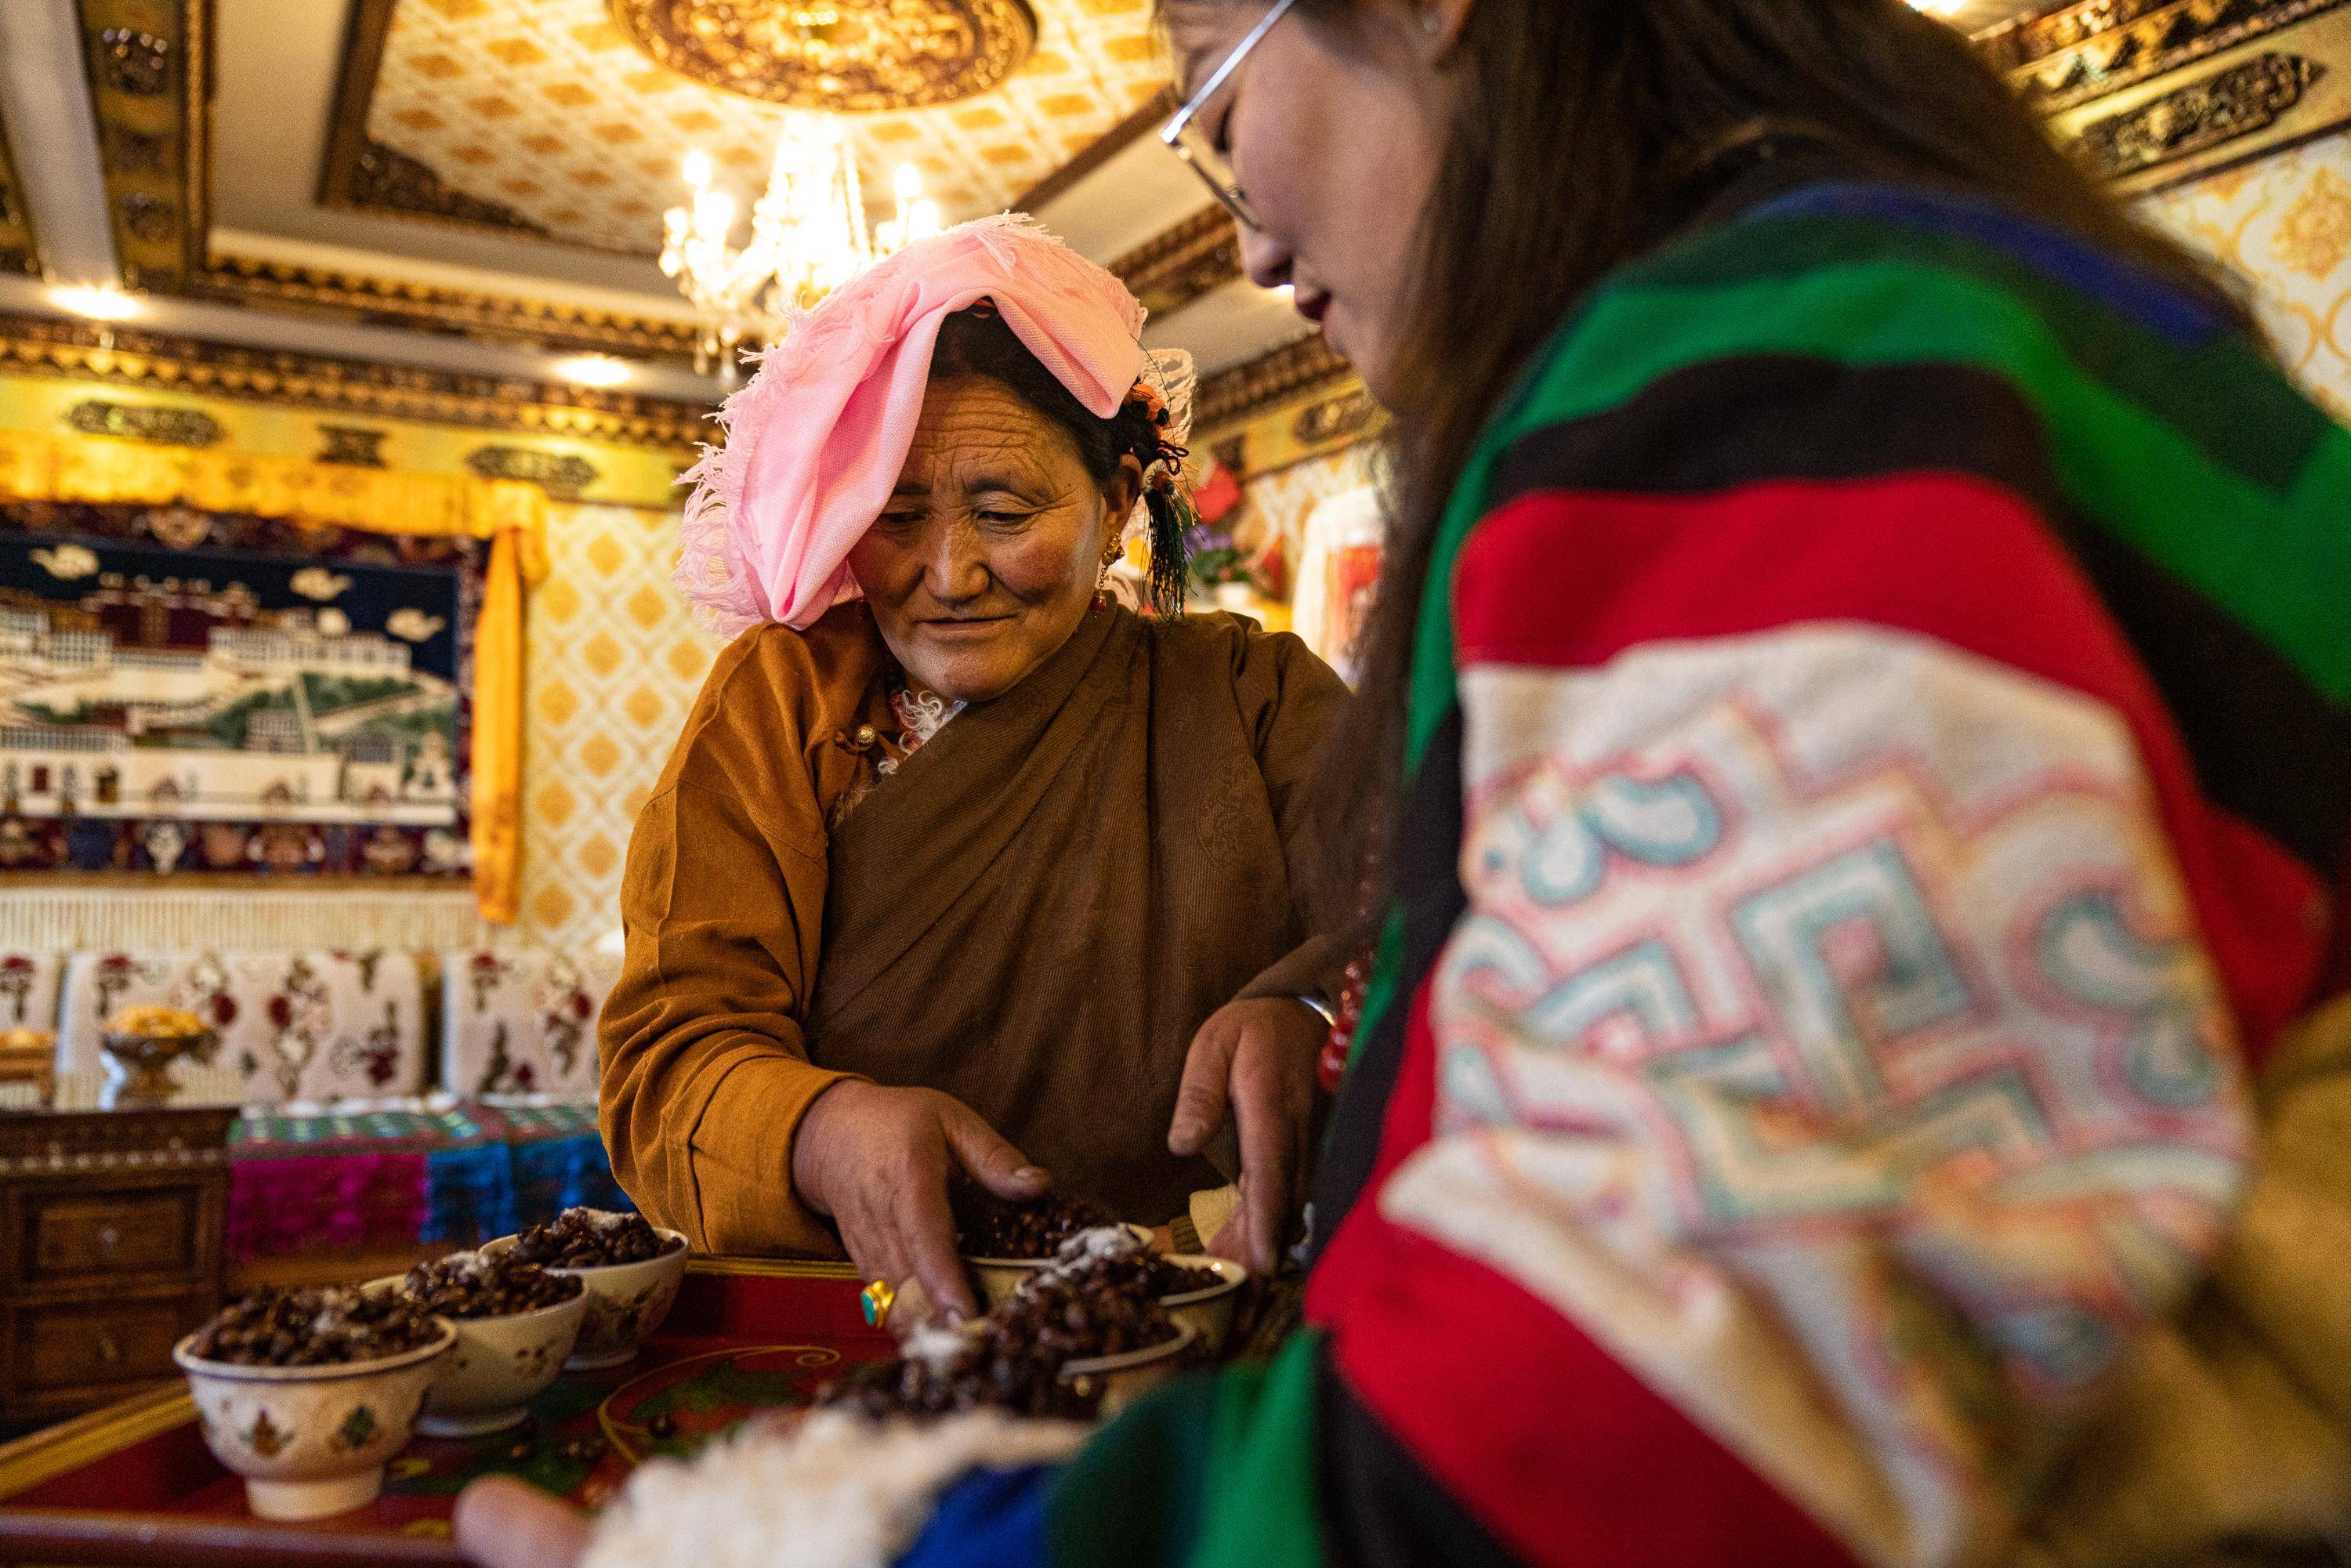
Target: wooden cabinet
pixel 111 1233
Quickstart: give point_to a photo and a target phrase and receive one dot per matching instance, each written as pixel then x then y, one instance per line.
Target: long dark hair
pixel 1577 124
pixel 978 341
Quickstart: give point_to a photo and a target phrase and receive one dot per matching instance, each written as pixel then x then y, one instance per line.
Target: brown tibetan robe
pixel 1033 913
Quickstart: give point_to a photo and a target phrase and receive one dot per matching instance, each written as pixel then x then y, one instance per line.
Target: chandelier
pixel 809 236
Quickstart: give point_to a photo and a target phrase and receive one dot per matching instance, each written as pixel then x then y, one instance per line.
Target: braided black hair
pixel 977 341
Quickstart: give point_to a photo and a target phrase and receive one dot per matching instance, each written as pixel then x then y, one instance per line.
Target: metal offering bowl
pixel 140 1064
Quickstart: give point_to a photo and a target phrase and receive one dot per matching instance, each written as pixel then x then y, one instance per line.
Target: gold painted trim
pixel 157 206
pixel 1178 264
pixel 362 61
pixel 771 1268
pixel 423 307
pixel 2092 49
pixel 2268 88
pixel 20 243
pixel 1237 396
pixel 45 1455
pixel 35 346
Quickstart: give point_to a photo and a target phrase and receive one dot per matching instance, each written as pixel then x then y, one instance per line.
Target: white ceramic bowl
pixel 626 1302
pixel 310 1442
pixel 1000 1277
pixel 1210 1312
pixel 1124 1379
pixel 496 1367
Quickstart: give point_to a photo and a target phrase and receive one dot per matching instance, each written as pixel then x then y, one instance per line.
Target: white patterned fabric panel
pixel 29 989
pixel 313 1027
pixel 1829 1036
pixel 522 1022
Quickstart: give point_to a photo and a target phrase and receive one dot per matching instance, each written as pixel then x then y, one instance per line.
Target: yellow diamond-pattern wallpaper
pixel 547 108
pixel 2285 224
pixel 614 665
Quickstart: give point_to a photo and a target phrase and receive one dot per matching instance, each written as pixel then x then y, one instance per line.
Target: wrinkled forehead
pixel 976 430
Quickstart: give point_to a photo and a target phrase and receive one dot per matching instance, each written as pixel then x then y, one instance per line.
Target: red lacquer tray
pixel 134 1483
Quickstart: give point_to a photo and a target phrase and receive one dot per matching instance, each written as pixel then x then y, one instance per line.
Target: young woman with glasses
pixel 1857 767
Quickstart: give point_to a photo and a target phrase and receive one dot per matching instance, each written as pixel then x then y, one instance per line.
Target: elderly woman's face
pixel 990 550
pixel 1337 143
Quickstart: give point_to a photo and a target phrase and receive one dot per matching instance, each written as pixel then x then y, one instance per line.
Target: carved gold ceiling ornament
pixel 840 55
pixel 83 350
pixel 2090 49
pixel 147 63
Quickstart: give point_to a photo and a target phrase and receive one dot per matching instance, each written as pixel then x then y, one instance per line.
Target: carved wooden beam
pixel 167 362
pixel 430 308
pixel 1177 265
pixel 19 249
pixel 148 64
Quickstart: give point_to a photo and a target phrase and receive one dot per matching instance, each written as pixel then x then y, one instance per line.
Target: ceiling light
pixel 594 370
pixel 810 234
pixel 97 303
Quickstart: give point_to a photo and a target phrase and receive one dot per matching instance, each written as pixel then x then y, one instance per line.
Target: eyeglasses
pixel 1184 137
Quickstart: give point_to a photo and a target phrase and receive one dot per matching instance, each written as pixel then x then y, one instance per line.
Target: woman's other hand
pixel 1258 1058
pixel 877 1161
pixel 503 1522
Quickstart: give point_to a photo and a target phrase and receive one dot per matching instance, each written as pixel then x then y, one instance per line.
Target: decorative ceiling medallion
pixel 842 55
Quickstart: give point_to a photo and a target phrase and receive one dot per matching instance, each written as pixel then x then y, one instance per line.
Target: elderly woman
pixel 959 867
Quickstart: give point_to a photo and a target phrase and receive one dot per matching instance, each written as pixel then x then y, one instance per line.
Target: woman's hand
pixel 503 1522
pixel 1259 1058
pixel 877 1160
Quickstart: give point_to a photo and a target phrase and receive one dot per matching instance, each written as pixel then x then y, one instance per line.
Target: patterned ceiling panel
pixel 542 114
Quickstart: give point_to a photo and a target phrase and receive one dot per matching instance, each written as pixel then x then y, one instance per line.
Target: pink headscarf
pixel 814 445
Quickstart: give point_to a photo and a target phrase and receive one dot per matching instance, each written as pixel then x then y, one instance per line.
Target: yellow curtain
pixel 511 515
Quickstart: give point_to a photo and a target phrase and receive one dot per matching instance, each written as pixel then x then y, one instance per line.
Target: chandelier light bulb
pixel 714 215
pixel 809 234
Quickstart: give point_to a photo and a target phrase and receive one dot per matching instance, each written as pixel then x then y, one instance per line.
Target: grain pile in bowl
pixel 471 1285
pixel 1092 1301
pixel 593 1239
pixel 320 1326
pixel 988 1227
